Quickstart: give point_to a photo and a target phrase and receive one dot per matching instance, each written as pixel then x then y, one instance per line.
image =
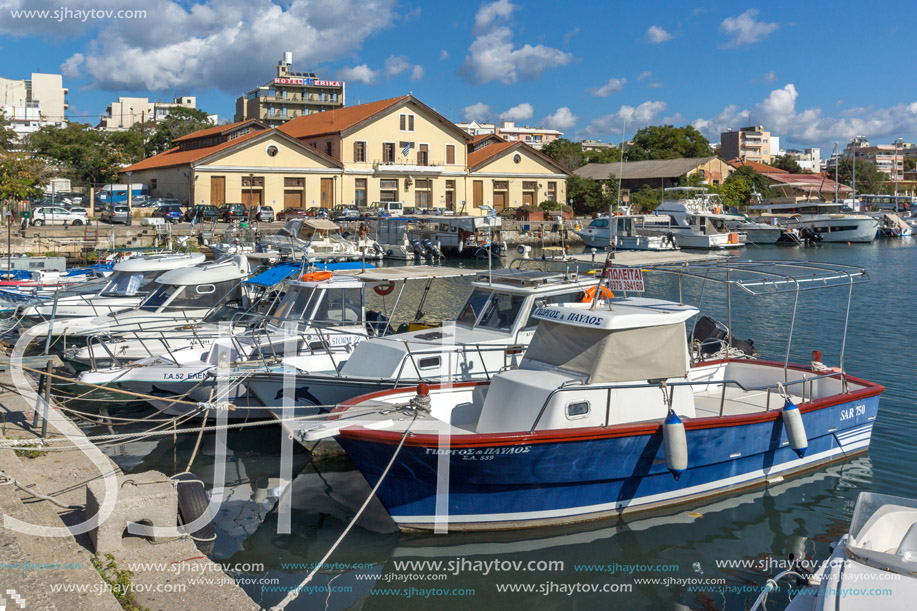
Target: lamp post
pixel 251 190
pixel 855 207
pixel 130 190
pixel 898 142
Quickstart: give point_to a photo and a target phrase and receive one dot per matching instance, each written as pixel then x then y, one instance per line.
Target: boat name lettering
pixel 548 313
pixel 585 319
pixel 180 375
pixel 853 412
pixel 474 453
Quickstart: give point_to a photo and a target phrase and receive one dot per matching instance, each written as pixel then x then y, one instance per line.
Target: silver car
pixel 119 213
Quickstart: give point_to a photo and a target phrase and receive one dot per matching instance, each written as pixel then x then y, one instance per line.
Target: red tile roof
pixel 337 120
pixel 761 168
pixel 219 129
pixel 484 154
pixel 175 157
pixel 482 137
pixel 806 182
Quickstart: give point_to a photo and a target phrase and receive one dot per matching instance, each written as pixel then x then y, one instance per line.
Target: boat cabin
pixel 198 288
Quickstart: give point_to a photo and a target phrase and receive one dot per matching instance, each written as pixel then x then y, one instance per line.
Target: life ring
pixel 384 289
pixel 590 294
pixel 316 276
pixel 733 238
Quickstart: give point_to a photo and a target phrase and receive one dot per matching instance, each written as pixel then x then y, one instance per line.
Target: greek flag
pixel 407 149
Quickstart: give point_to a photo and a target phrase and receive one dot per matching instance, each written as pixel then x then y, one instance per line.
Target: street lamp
pixel 251 191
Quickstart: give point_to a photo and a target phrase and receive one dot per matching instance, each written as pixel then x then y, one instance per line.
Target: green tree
pixel 20 178
pixel 609 155
pixel 8 138
pixel 668 142
pixel 869 178
pixel 565 152
pixel 646 199
pixel 740 186
pixel 591 195
pixel 180 122
pixel 787 163
pixel 910 163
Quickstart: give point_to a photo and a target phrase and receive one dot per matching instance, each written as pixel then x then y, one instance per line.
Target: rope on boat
pixel 294 593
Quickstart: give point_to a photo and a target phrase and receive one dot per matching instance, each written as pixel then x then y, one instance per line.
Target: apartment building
pixel 32 103
pixel 536 137
pixel 747 144
pixel 397 149
pixel 888 158
pixel 128 111
pixel 289 95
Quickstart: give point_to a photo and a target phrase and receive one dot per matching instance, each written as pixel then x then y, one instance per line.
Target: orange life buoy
pixel 590 294
pixel 316 276
pixel 384 289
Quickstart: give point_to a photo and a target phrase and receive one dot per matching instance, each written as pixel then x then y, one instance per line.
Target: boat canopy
pixel 149 263
pixel 639 339
pixel 235 268
pixel 274 275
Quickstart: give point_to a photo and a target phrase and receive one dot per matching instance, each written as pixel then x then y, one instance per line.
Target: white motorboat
pixel 823 219
pixel 624 234
pixel 492 331
pixel 318 238
pixel 465 236
pixel 691 223
pixel 874 566
pixel 126 288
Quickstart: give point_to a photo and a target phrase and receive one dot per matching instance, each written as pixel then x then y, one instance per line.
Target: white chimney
pixel 288 57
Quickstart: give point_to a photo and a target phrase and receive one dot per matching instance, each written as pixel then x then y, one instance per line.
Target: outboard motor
pixel 429 249
pixel 418 249
pixel 710 337
pixel 378 248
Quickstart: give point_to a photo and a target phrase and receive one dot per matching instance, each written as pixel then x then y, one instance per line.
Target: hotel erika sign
pixel 307 81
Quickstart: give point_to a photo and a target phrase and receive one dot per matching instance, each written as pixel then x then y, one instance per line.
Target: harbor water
pixel 712 555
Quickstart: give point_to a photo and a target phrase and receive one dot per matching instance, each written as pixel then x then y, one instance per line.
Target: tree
pixel 869 178
pixel 180 122
pixel 668 142
pixel 8 138
pixel 787 163
pixel 565 152
pixel 646 199
pixel 740 186
pixel 591 195
pixel 610 155
pixel 20 178
pixel 910 163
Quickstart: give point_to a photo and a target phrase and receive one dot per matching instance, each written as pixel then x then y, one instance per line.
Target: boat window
pixel 577 409
pixel 599 223
pixel 339 306
pixel 293 305
pixel 544 300
pixel 160 296
pixel 128 284
pixel 205 289
pixel 206 295
pixel 473 307
pixel 429 362
pixel 501 312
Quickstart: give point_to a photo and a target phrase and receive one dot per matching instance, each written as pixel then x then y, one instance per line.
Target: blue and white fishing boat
pixel 613 410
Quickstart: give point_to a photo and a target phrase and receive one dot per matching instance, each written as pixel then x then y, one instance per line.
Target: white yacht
pixel 691 223
pixel 318 238
pixel 822 218
pixel 624 233
pixel 126 288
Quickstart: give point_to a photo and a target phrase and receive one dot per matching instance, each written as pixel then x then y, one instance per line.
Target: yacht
pixel 131 281
pixel 318 238
pixel 823 219
pixel 626 231
pixel 691 223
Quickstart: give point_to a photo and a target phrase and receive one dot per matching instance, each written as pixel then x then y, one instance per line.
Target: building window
pixel 294 183
pixel 359 151
pixel 423 155
pixel 552 191
pixel 405 148
pixel 528 185
pixel 450 153
pixel 328 148
pixel 388 152
pixel 388 190
pixel 406 122
pixel 501 185
pixel 360 192
pixel 423 193
pixel 257 181
pixel 153 184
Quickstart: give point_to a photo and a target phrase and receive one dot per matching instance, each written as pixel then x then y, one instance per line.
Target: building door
pixel 499 200
pixel 292 199
pixel 528 198
pixel 251 198
pixel 217 190
pixel 450 200
pixel 478 193
pixel 327 193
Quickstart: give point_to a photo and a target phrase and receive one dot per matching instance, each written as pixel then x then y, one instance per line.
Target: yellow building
pixel 391 150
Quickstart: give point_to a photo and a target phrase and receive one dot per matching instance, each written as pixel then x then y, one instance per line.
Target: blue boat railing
pixel 723 383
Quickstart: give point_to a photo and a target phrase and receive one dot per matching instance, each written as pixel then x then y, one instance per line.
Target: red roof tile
pixel 337 120
pixel 761 168
pixel 219 129
pixel 484 154
pixel 175 157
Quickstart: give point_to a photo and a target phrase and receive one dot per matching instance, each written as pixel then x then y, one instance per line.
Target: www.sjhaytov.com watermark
pixel 84 15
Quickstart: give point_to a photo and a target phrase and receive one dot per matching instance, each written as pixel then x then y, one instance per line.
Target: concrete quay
pixel 57 572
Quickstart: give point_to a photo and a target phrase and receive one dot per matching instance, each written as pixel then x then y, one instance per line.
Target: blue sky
pixel 812 73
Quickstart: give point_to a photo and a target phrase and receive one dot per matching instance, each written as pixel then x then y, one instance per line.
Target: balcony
pixel 407 167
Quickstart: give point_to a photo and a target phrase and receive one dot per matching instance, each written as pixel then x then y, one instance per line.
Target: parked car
pixel 202 212
pixel 233 212
pixel 170 212
pixel 119 213
pixel 346 212
pixel 441 211
pixel 317 211
pixel 290 213
pixel 79 210
pixel 264 214
pixel 167 201
pixel 56 215
pixel 139 199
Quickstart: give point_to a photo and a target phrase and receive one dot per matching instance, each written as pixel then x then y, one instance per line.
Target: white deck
pixel 738 401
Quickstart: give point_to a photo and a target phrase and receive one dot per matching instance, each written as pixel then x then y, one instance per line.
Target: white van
pixel 386 209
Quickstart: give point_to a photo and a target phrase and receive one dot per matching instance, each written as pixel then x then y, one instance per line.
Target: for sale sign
pixel 625 279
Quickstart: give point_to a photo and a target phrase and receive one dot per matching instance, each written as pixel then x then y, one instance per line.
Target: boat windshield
pixel 599 223
pixel 473 307
pixel 498 313
pixel 340 306
pixel 128 284
pixel 293 305
pixel 201 296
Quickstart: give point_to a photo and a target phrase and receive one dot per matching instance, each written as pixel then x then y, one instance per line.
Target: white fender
pixel 676 444
pixel 795 429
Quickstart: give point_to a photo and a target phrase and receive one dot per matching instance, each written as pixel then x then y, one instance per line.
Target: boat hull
pixel 524 480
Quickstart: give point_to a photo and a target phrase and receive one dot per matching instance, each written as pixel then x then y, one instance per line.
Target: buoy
pixel 590 294
pixel 795 429
pixel 316 276
pixel 676 444
pixel 384 289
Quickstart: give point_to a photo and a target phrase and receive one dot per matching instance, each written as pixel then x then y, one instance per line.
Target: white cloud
pixel 655 85
pixel 656 34
pixel 488 14
pixel 491 55
pixel 359 74
pixel 561 119
pixel 610 125
pixel 417 73
pixel 443 55
pixel 612 86
pixel 644 75
pixel 396 64
pixel 675 119
pixel 767 77
pixel 229 45
pixel 413 14
pixel 745 29
pixel 477 111
pixel 570 35
pixel 778 113
pixel 71 67
pixel 520 112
